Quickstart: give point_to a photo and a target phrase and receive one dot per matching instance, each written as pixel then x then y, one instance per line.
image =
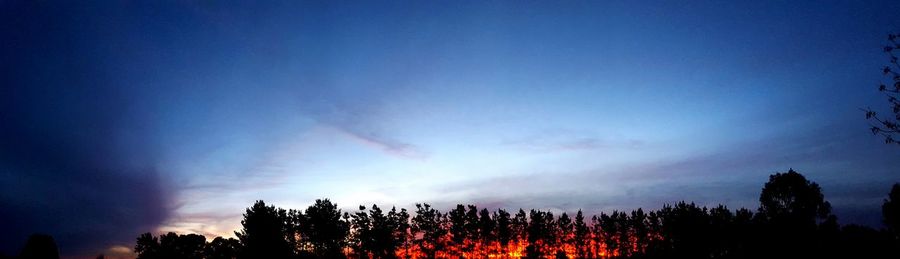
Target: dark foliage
pixel 322 229
pixel 171 246
pixel 789 200
pixel 267 233
pixel 221 248
pixel 888 126
pixel 891 211
pixel 792 208
pixel 793 221
pixel 379 235
pixel 431 225
pixel 40 247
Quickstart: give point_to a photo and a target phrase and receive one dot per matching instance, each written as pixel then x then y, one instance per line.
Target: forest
pixel 794 220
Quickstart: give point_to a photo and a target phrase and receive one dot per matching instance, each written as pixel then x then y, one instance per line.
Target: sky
pixel 119 118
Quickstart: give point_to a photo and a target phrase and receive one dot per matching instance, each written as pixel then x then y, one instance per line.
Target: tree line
pixel 793 220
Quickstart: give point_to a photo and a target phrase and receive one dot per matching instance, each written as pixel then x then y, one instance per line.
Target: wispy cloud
pixel 732 175
pixel 386 144
pixel 568 140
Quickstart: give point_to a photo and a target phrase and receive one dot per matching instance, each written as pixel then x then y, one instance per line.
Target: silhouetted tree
pixel 792 199
pixel 266 233
pixel 147 247
pixel 39 246
pixel 721 220
pixel 608 231
pixel 890 212
pixel 400 228
pixel 380 235
pixel 792 207
pixel 458 230
pixel 294 234
pixel 640 232
pixel 176 246
pixel 794 221
pixel 504 230
pixel 472 234
pixel 540 234
pixel 743 233
pixel 623 233
pixel 563 234
pixel 430 224
pixel 598 235
pixel 322 227
pixel 656 245
pixel 581 235
pixel 171 246
pixel 361 233
pixel 888 126
pixel 685 230
pixel 222 248
pixel 519 227
pixel 486 232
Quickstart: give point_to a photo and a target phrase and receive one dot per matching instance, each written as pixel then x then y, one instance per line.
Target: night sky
pixel 122 118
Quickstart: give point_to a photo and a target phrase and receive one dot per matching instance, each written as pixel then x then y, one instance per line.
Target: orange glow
pixel 515 249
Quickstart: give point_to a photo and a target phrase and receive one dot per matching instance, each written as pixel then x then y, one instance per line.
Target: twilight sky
pixel 123 118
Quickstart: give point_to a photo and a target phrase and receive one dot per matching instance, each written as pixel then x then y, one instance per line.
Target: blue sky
pixel 185 113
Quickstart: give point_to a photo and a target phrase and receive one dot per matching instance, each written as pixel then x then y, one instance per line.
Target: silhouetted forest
pixel 793 220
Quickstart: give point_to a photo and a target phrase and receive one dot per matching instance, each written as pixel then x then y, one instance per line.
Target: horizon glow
pixel 558 106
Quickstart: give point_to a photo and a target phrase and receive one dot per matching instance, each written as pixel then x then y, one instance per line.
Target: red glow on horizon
pixel 594 247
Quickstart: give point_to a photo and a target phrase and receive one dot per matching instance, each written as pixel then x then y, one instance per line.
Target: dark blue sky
pixel 123 118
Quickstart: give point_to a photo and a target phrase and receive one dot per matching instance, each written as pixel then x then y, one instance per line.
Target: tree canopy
pixel 790 199
pixel 793 220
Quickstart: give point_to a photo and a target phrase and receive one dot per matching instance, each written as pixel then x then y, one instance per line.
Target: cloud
pixel 561 140
pixel 75 159
pixel 388 145
pixel 732 175
pixel 72 188
pixel 119 252
pixel 360 121
pixel 205 223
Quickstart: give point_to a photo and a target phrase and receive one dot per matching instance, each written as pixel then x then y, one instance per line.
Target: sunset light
pixel 377 129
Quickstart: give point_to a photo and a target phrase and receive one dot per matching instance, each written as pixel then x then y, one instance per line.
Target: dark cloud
pixel 732 175
pixel 76 160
